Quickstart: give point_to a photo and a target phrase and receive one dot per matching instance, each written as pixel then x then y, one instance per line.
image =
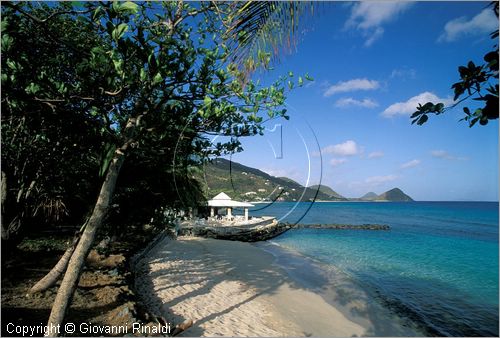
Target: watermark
pixel 88 329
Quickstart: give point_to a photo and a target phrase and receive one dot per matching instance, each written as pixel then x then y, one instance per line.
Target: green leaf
pixel 125 7
pixel 93 111
pixel 106 160
pixel 428 106
pixel 422 120
pixel 32 88
pixel 129 6
pixel 3 25
pixel 415 114
pixel 290 74
pixel 11 64
pixel 119 31
pixel 143 75
pixel 7 42
pixel 157 79
pixel 492 59
pixel 97 13
pixel 463 71
pixel 118 63
pixel 301 82
pixel 207 100
pixel 308 78
pixel 473 122
pixel 439 108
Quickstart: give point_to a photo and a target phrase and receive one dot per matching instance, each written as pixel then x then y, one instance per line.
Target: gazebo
pixel 224 201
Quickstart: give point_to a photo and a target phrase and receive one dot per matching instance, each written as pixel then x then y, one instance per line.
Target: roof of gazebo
pixel 224 201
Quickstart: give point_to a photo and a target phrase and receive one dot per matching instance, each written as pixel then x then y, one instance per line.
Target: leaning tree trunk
pixel 3 194
pixel 54 274
pixel 77 261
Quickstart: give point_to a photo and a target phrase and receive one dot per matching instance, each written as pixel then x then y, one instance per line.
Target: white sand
pixel 233 289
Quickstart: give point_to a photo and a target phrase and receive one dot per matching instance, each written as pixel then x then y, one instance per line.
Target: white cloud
pixel 337 161
pixel 410 106
pixel 372 37
pixel 351 85
pixel 369 16
pixel 377 180
pixel 443 154
pixel 410 164
pixel 310 84
pixel 376 154
pixel 404 73
pixel 484 22
pixel 349 101
pixel 348 148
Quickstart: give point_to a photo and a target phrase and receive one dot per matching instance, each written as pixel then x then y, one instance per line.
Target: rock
pixel 123 312
pixel 255 234
pixel 93 258
pixel 344 226
pixel 97 261
pixel 113 261
pixel 103 245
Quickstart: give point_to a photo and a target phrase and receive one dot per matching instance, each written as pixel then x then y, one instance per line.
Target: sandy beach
pixel 235 289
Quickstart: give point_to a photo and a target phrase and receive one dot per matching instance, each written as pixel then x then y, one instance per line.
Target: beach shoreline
pixel 239 289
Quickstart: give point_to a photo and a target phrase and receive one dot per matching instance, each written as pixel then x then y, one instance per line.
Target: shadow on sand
pixel 201 276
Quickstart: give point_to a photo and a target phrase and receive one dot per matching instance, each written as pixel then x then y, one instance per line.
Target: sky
pixel 350 128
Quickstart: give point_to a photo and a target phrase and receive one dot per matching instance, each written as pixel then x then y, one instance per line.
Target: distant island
pixel 393 195
pixel 250 184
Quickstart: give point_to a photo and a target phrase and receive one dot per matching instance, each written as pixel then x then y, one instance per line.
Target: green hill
pixel 249 184
pixel 328 191
pixel 369 196
pixel 395 195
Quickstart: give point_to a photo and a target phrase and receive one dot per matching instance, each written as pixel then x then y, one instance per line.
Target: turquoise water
pixel 438 265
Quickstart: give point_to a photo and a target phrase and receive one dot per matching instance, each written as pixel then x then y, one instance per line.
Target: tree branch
pixel 38 20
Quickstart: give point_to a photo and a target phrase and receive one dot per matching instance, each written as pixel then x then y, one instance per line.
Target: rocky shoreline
pixel 344 226
pixel 263 233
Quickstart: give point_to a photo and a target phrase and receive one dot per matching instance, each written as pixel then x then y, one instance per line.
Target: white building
pixel 223 201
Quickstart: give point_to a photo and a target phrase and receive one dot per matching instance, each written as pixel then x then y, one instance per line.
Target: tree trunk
pixel 3 193
pixel 54 274
pixel 77 261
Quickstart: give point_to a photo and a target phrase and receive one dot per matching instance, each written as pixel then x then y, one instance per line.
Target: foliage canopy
pixel 74 76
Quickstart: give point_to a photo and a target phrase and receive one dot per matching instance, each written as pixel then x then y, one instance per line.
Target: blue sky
pixel 372 62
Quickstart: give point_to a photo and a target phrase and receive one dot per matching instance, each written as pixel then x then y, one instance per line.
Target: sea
pixel 436 267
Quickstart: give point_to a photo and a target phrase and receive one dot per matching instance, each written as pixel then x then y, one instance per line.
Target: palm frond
pixel 264 28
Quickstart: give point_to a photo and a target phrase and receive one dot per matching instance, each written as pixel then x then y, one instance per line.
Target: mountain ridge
pixel 245 183
pixel 369 196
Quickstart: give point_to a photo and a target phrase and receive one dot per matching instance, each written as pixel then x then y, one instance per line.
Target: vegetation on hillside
pixel 245 183
pixel 250 184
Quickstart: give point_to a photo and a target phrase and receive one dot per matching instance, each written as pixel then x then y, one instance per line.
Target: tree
pixel 150 81
pixel 477 82
pixel 50 143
